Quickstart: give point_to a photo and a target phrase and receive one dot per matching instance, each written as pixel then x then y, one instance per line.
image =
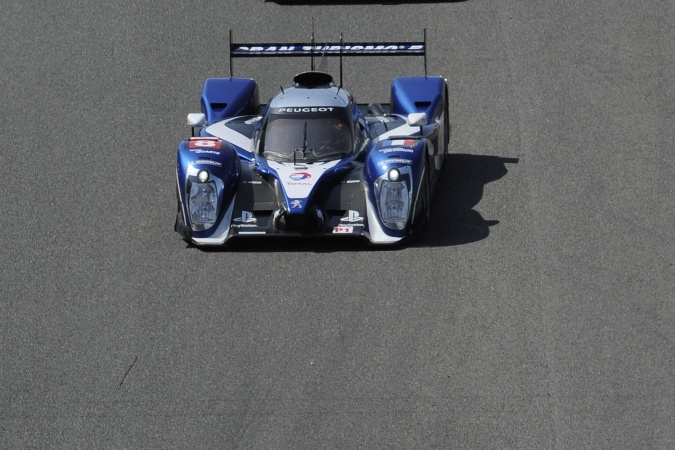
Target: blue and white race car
pixel 312 161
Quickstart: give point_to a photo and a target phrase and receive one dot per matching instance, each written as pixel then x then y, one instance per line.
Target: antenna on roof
pixel 425 52
pixel 312 47
pixel 341 46
pixel 231 75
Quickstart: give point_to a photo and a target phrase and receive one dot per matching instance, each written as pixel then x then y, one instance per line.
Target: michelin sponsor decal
pixel 384 164
pixel 396 150
pixel 207 162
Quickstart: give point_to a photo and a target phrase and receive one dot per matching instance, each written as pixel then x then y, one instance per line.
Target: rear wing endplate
pixel 312 49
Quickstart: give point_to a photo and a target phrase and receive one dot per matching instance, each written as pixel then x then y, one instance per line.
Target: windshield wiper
pixel 304 149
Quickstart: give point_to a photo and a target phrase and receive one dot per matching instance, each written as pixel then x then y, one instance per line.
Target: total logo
pixel 352 217
pixel 300 176
pixel 246 217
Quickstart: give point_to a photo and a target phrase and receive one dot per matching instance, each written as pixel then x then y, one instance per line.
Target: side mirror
pixel 196 119
pixel 417 119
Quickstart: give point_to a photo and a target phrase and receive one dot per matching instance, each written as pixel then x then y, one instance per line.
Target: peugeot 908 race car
pixel 312 161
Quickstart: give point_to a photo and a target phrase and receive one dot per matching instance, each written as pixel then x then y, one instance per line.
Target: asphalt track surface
pixel 537 313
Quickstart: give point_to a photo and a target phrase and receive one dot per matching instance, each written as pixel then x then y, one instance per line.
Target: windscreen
pixel 307 133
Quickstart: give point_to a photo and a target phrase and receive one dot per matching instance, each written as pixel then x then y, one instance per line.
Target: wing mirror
pixel 196 120
pixel 417 119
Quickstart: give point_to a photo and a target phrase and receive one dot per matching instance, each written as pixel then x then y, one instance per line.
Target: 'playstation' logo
pixel 246 217
pixel 352 217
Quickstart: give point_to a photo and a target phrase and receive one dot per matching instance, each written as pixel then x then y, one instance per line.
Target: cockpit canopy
pixel 307 133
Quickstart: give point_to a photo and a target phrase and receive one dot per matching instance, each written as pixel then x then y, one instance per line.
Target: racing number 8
pixel 204 143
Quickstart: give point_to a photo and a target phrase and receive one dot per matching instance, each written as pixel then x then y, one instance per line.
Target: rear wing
pixel 312 49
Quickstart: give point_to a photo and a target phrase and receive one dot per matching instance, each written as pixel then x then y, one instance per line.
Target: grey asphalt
pixel 538 312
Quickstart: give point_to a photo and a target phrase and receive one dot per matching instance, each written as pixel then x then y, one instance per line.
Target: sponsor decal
pixel 350 181
pixel 296 203
pixel 204 143
pixel 395 161
pixel 303 109
pixel 343 230
pixel 328 48
pixel 207 161
pixel 209 152
pixel 300 176
pixel 352 217
pixel 397 150
pixel 251 182
pixel 253 120
pixel 294 183
pixel 246 217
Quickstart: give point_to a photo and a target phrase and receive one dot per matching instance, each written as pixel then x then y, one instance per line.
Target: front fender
pixel 408 156
pixel 220 159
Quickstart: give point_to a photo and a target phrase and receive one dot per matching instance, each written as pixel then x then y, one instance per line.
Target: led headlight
pixel 203 202
pixel 394 174
pixel 203 176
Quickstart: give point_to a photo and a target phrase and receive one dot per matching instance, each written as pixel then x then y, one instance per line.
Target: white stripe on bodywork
pixel 300 188
pixel 222 131
pixel 403 130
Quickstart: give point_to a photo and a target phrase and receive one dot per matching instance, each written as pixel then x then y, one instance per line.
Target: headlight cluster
pixel 203 201
pixel 393 197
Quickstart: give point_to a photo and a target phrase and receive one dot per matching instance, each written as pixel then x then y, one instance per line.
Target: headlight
pixel 394 199
pixel 203 202
pixel 203 176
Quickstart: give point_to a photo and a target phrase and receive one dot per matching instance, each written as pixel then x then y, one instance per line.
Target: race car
pixel 312 161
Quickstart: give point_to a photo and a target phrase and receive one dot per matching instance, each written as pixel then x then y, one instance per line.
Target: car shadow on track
pixel 453 220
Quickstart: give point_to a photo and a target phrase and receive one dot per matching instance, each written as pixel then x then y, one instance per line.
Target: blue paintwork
pixel 228 97
pixel 228 171
pixel 416 94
